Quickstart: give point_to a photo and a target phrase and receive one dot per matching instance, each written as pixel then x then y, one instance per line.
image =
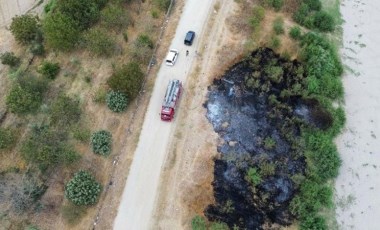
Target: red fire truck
pixel 171 99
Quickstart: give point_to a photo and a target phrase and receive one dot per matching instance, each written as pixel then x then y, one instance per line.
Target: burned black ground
pixel 258 109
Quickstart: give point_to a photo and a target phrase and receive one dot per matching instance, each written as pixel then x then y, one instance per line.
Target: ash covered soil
pixel 258 110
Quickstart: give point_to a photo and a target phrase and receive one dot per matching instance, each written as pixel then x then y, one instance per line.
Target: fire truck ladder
pixel 171 93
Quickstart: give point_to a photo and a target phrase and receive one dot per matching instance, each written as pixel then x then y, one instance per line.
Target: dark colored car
pixel 189 38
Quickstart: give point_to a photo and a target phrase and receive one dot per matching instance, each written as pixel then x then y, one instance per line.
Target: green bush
pixel 116 101
pixel 127 79
pixel 73 213
pixel 49 69
pixel 50 6
pixel 125 36
pixel 64 111
pixel 313 4
pixel 258 14
pixel 275 42
pixel 113 16
pixel 61 31
pixel 313 222
pixel 46 147
pixel 162 4
pixel 144 40
pixel 26 95
pixel 301 14
pixel 24 28
pixel 37 49
pixel 198 223
pixel 323 21
pixel 219 226
pixel 278 26
pixel 7 138
pixel 32 227
pixel 154 13
pixel 82 189
pixel 9 58
pixel 277 4
pixel 99 42
pixel 100 96
pixel 269 143
pixel 85 12
pixel 81 134
pixel 295 33
pixel 101 142
pixel 267 169
pixel 253 176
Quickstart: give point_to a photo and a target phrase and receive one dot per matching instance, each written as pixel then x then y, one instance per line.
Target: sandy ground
pixel 358 185
pixel 140 192
pixel 10 8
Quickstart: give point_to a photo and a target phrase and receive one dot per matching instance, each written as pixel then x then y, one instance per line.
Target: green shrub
pixel 269 143
pixel 219 226
pixel 253 176
pixel 267 169
pixel 9 58
pixel 162 4
pixel 295 33
pixel 275 42
pixel 82 189
pixel 101 142
pixel 144 40
pixel 61 31
pixel 24 28
pixel 49 69
pixel 258 14
pixel 85 12
pixel 99 42
pixel 198 223
pixel 323 21
pixel 113 16
pixel 65 111
pixel 7 138
pixel 81 134
pixel 46 147
pixel 26 95
pixel 277 4
pixel 313 222
pixel 154 13
pixel 73 213
pixel 50 6
pixel 127 79
pixel 116 101
pixel 32 227
pixel 125 36
pixel 313 4
pixel 37 49
pixel 278 26
pixel 301 14
pixel 100 96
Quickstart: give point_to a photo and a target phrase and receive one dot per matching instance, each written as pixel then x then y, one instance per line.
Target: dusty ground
pixel 358 184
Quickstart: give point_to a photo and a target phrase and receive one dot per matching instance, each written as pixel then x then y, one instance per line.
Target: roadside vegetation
pixel 46 141
pixel 316 84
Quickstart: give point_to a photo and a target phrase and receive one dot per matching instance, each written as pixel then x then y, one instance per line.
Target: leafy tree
pixel 82 189
pixel 9 58
pixel 61 31
pixel 65 111
pixel 24 28
pixel 127 79
pixel 198 223
pixel 101 142
pixel 113 16
pixel 323 21
pixel 116 101
pixel 49 69
pixel 26 95
pixel 85 12
pixel 7 138
pixel 99 42
pixel 46 147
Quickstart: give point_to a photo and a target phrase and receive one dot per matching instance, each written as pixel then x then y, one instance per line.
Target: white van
pixel 171 57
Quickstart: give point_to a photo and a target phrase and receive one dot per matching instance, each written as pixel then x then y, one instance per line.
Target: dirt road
pixel 140 192
pixel 358 184
pixel 10 8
